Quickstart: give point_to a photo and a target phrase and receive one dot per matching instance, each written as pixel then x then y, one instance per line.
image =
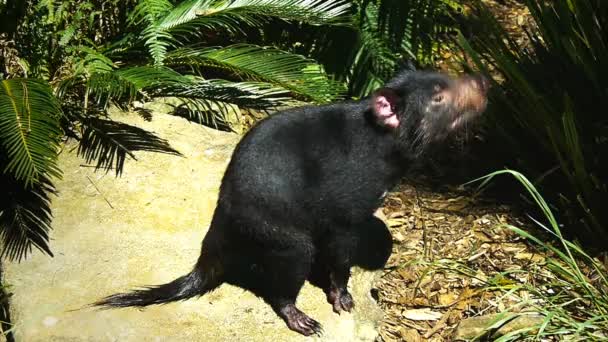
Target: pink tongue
pixel 391 121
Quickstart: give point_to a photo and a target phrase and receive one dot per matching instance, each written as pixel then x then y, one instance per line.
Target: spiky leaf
pixel 210 101
pixel 29 129
pixel 301 76
pixel 128 82
pixel 164 23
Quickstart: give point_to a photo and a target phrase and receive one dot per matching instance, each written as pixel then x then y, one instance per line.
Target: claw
pixel 299 322
pixel 318 329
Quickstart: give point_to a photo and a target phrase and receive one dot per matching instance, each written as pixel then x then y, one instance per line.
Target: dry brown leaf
pixel 424 314
pixel 398 237
pixel 410 335
pixel 536 258
pixel 447 298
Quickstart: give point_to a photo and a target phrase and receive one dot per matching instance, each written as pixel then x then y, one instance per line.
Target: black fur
pixel 181 288
pixel 298 197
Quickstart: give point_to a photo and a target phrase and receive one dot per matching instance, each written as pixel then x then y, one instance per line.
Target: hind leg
pixel 275 269
pixel 284 272
pixel 337 296
pixel 375 244
pixel 367 245
pixel 332 268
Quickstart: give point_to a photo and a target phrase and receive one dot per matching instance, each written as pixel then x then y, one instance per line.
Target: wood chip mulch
pixel 424 290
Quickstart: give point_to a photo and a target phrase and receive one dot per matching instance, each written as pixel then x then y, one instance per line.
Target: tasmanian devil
pixel 298 197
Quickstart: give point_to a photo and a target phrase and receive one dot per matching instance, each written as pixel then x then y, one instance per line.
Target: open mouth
pixel 390 121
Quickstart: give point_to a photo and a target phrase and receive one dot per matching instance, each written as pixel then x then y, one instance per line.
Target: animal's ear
pixel 407 64
pixel 384 104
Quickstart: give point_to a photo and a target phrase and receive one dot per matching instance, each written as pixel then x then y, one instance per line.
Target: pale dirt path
pixel 162 206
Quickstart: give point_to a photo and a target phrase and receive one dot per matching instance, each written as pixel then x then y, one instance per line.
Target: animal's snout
pixel 472 93
pixel 475 83
pixel 481 83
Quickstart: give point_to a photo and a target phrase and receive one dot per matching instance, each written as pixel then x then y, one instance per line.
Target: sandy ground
pixel 111 234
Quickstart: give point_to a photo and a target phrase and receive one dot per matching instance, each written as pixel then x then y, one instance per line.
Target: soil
pixel 447 244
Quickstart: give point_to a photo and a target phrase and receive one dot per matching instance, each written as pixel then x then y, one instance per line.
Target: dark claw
pixel 317 328
pixel 299 322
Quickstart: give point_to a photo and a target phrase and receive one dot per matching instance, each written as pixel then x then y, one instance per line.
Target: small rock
pixel 475 326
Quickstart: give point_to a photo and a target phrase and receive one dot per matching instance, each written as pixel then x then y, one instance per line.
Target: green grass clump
pixel 570 291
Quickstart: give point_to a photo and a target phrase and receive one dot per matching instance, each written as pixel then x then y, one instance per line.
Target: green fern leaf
pixel 231 14
pixel 301 76
pixel 164 22
pixel 29 129
pixel 156 38
pixel 210 101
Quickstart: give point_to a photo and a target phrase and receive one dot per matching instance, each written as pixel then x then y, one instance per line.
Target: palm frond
pixel 315 12
pixel 128 82
pixel 90 61
pixel 232 14
pixel 164 22
pixel 149 76
pixel 392 32
pixel 85 62
pixel 149 11
pixel 375 60
pixel 156 37
pixel 108 87
pixel 387 34
pixel 255 95
pixel 301 76
pixel 210 101
pixel 185 12
pixel 205 99
pixel 108 143
pixel 157 40
pixel 29 129
pixel 25 216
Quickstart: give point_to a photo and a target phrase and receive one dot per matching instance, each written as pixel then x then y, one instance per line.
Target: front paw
pixel 340 299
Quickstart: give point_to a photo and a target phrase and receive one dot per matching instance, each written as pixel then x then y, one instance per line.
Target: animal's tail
pixel 192 284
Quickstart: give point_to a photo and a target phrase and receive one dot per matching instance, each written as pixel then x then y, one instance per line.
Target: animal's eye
pixel 437 98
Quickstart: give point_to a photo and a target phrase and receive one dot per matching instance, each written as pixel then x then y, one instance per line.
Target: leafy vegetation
pixel 29 129
pixel 393 32
pixel 570 292
pixel 549 104
pixel 70 61
pixel 385 36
